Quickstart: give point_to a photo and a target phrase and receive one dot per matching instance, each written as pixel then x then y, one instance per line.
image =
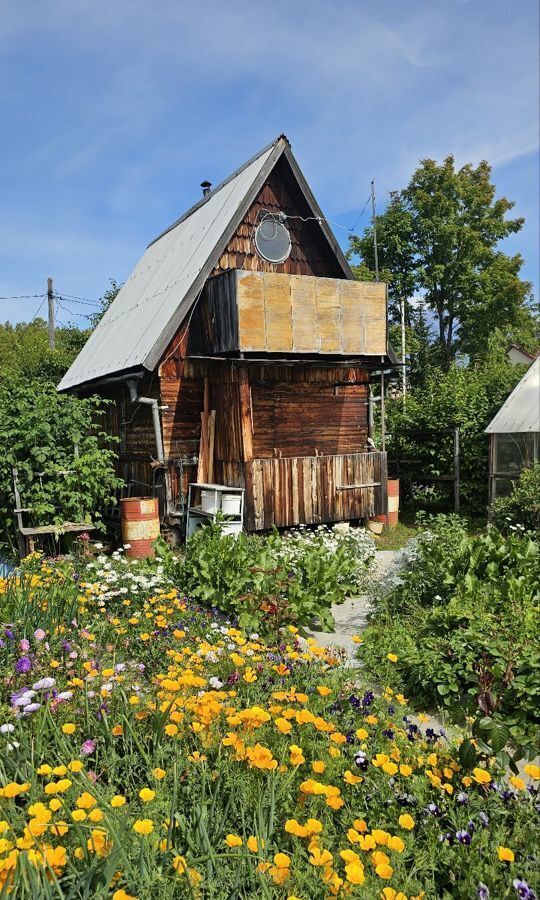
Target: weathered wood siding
pixel 311 490
pixel 310 419
pixel 310 252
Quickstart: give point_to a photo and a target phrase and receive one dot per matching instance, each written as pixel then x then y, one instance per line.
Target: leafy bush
pixel 522 506
pixel 268 581
pixel 463 623
pixel 466 398
pixel 39 431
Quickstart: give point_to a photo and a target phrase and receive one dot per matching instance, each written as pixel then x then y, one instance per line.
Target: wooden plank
pixel 211 433
pixel 202 469
pixel 328 315
pixel 251 312
pixel 352 318
pixel 277 308
pixel 304 315
pixel 246 420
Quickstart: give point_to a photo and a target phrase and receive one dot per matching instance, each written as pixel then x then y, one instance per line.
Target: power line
pixel 80 299
pixel 71 311
pixel 26 327
pixel 23 297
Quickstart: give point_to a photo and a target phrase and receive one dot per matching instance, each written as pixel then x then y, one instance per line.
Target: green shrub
pixel 464 398
pixel 522 506
pixel 463 623
pixel 39 431
pixel 268 581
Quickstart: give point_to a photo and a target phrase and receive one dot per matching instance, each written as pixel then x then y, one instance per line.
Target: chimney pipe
pixel 206 187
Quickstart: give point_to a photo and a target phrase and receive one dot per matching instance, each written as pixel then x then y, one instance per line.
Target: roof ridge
pixel 204 199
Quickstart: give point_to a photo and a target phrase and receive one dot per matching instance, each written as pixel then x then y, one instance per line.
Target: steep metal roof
pixel 521 411
pixel 151 305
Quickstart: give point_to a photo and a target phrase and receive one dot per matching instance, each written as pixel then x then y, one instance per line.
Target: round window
pixel 272 240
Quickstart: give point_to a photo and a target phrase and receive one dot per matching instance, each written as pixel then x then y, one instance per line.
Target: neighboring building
pixel 514 434
pixel 240 351
pixel 520 357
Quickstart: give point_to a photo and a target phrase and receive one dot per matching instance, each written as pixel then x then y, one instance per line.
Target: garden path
pixel 351 616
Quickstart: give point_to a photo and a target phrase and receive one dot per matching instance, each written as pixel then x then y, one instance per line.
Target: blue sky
pixel 114 112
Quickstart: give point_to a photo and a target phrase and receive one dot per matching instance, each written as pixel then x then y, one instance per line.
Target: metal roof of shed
pixel 136 329
pixel 521 411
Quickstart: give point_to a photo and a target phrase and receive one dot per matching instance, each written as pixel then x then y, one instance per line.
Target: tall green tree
pixel 439 237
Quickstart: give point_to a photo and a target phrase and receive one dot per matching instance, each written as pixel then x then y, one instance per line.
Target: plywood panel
pixel 352 311
pixel 328 315
pixel 281 313
pixel 277 306
pixel 251 312
pixel 304 315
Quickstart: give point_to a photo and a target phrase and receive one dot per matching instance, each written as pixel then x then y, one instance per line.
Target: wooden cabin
pixel 240 351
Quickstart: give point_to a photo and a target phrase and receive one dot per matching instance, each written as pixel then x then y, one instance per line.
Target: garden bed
pixel 150 748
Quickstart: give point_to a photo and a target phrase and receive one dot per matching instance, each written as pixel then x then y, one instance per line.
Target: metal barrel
pixel 140 525
pixel 391 518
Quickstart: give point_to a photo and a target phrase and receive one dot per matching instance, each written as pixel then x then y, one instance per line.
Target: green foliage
pixel 439 237
pixel 39 430
pixel 463 622
pixel 522 506
pixel 269 581
pixel 25 351
pixel 466 398
pixel 105 301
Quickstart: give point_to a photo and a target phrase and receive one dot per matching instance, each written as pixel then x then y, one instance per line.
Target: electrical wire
pixel 22 297
pixel 80 299
pixel 71 311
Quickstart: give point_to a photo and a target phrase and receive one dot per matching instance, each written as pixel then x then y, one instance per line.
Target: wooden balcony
pixel 265 312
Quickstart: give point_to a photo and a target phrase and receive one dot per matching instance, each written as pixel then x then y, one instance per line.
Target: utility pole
pixel 50 302
pixel 374 223
pixel 403 367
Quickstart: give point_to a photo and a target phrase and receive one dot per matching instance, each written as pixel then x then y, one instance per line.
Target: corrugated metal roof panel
pixel 521 411
pixel 156 296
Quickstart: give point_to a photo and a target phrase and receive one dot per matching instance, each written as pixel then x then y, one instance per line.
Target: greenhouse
pixel 514 434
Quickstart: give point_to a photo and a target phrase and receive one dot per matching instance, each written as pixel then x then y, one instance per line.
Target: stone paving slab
pixel 351 616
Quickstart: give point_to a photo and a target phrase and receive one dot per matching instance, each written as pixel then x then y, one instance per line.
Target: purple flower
pixel 9 633
pixel 483 891
pixel 361 761
pixel 483 819
pixel 463 837
pixel 39 634
pixel 44 684
pixel 88 747
pixel 462 798
pixel 24 645
pixel 32 707
pixel 23 664
pixel 523 890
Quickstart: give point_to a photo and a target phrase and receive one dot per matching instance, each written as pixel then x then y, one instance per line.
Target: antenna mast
pixel 374 223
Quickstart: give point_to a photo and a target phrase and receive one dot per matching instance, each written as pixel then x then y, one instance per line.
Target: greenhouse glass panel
pixel 513 452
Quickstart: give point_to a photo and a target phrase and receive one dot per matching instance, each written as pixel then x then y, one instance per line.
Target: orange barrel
pixel 391 518
pixel 393 502
pixel 140 525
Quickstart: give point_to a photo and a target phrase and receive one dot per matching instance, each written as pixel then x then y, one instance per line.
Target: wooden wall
pixel 313 490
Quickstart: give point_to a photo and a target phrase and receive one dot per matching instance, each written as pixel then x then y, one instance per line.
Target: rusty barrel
pixel 140 525
pixel 392 516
